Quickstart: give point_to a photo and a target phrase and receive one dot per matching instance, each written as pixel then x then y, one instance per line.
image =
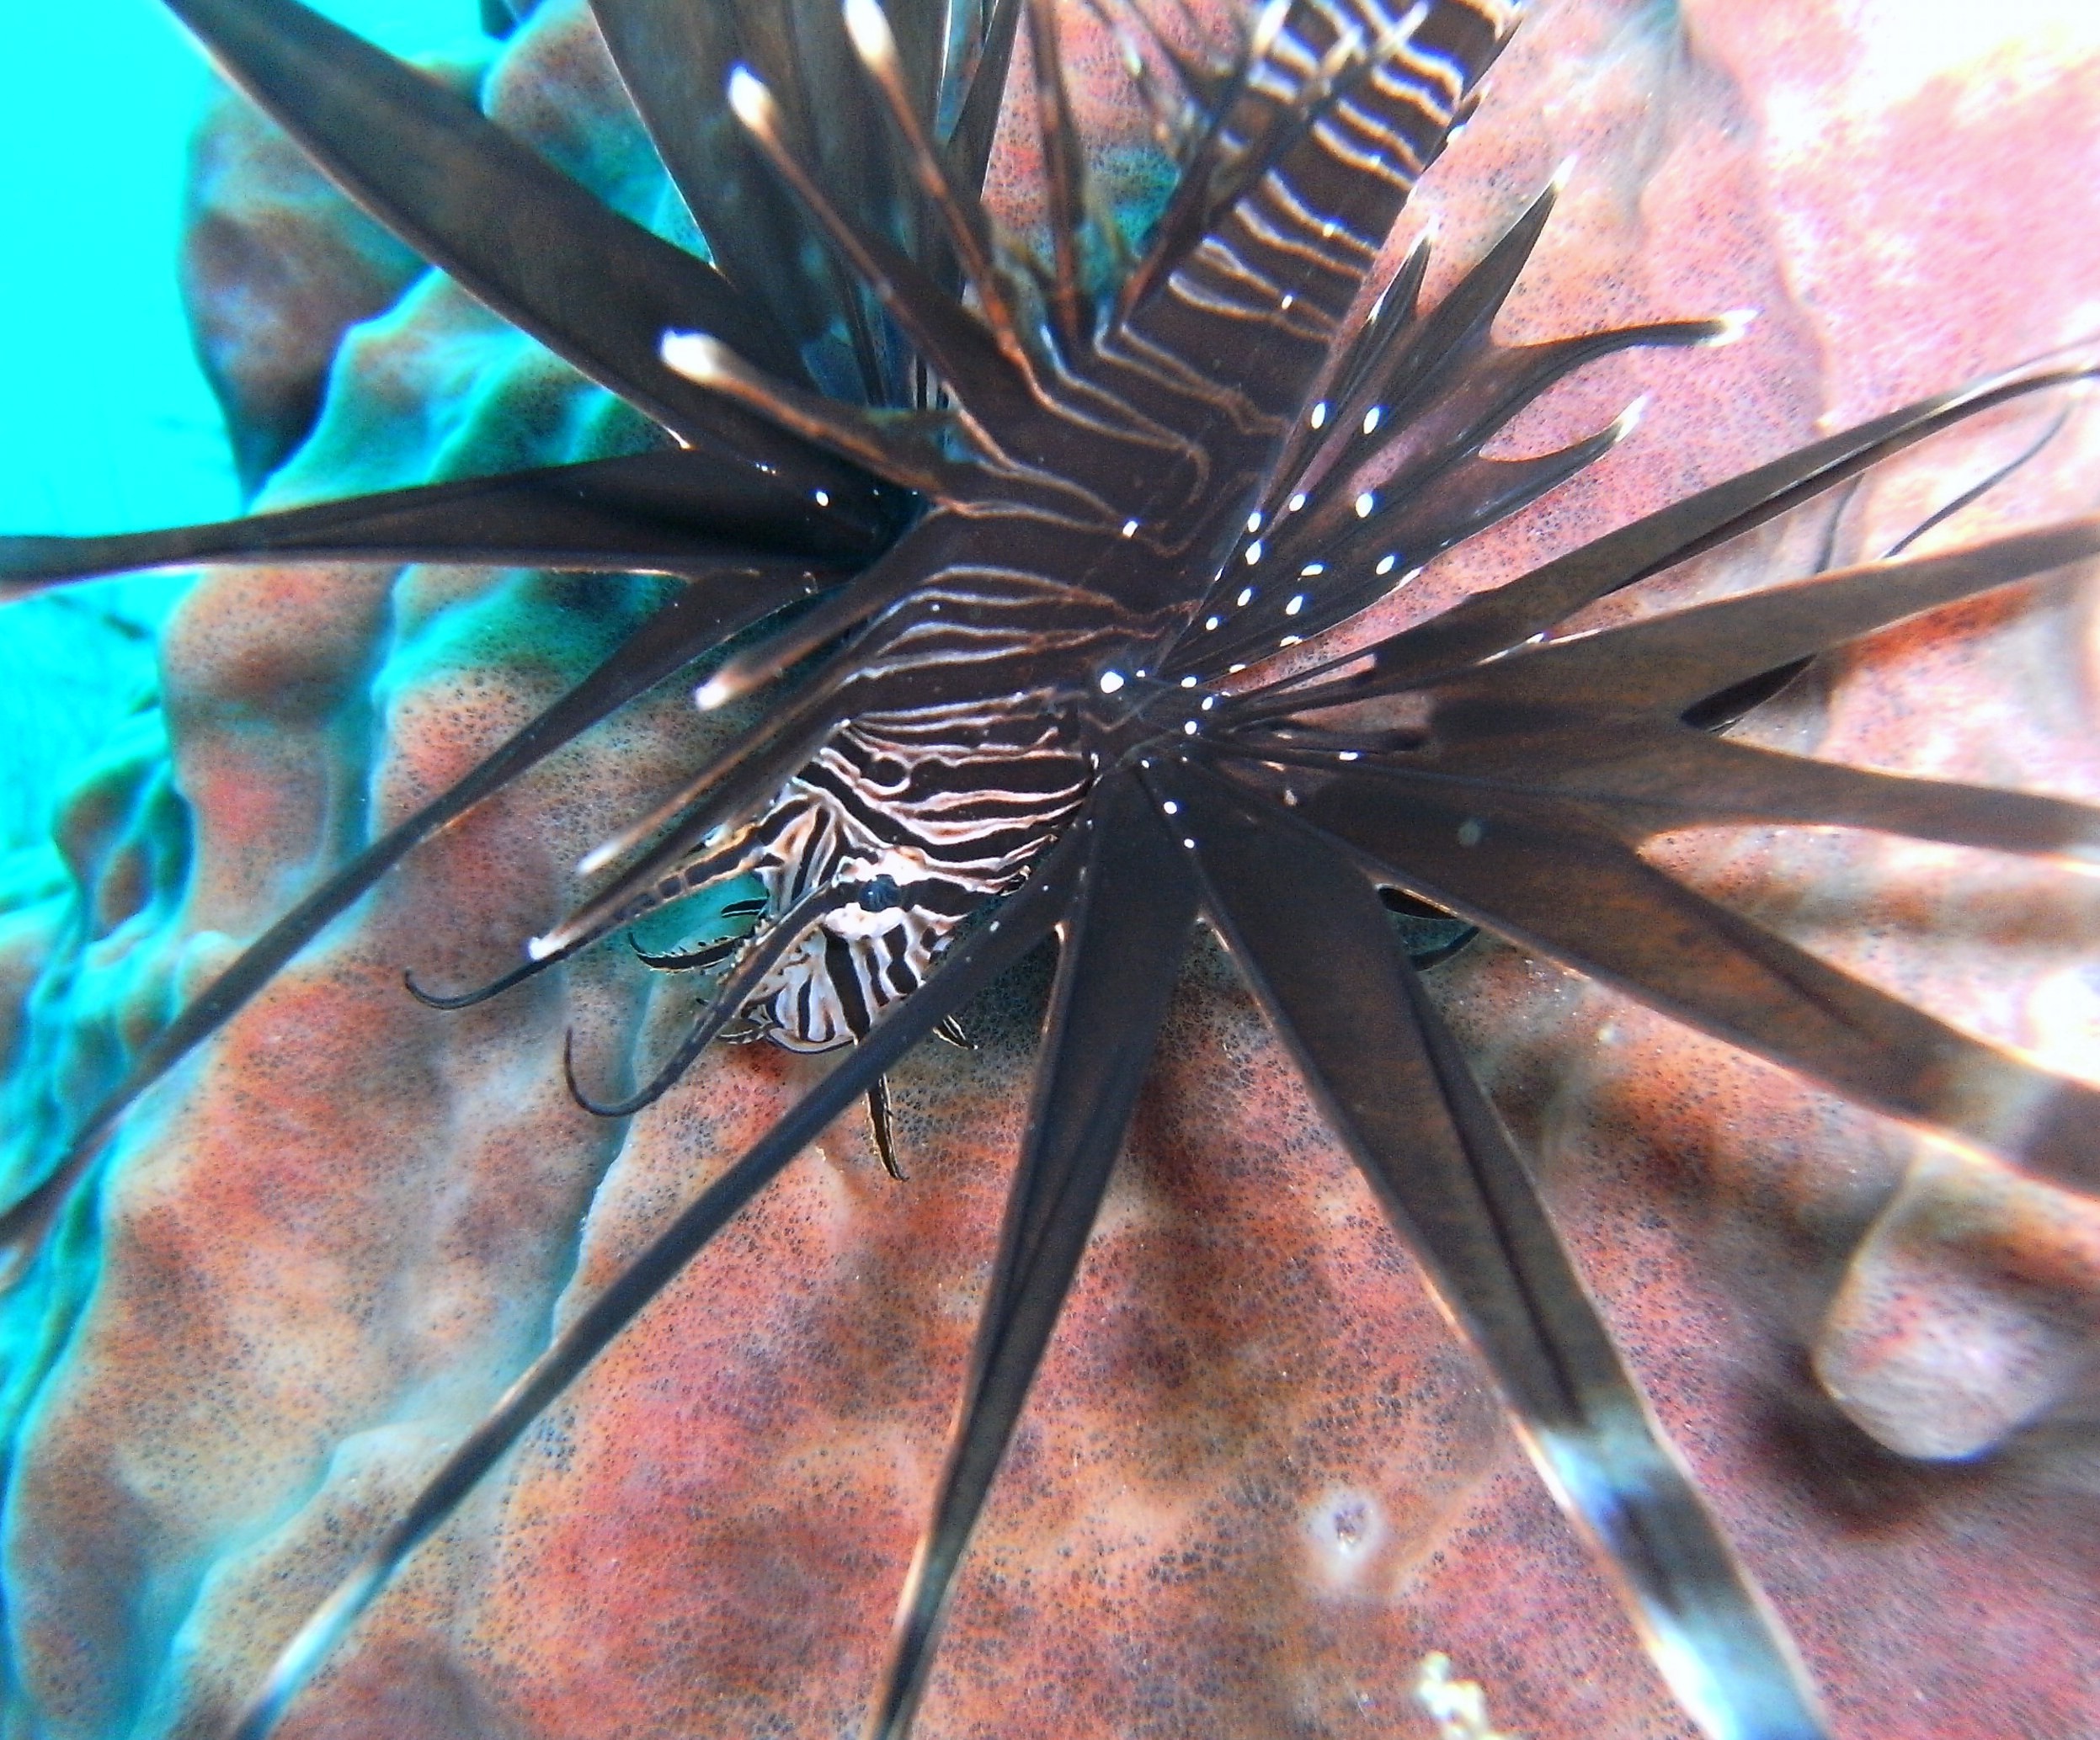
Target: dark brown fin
pixel 880 1126
pixel 1191 208
pixel 515 231
pixel 862 599
pixel 1719 711
pixel 759 958
pixel 1064 183
pixel 967 228
pixel 924 30
pixel 840 135
pixel 1394 1084
pixel 1386 325
pixel 1412 521
pixel 1462 322
pixel 1122 952
pixel 977 124
pixel 1665 664
pixel 701 618
pixel 1399 528
pixel 898 446
pixel 1728 707
pixel 683 878
pixel 738 781
pixel 1389 323
pixel 1449 414
pixel 1493 622
pixel 1261 134
pixel 955 344
pixel 1650 779
pixel 1977 490
pixel 673 513
pixel 983 954
pixel 1542 874
pixel 1388 466
pixel 674 59
pixel 689 879
pixel 1264 272
pixel 1349 61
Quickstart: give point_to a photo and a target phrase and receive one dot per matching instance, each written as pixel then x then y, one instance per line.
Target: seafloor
pixel 1259 1479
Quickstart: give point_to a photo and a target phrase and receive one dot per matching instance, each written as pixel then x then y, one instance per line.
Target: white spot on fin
pixel 1730 327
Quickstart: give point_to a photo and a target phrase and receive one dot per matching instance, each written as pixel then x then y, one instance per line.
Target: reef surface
pixel 1259 1479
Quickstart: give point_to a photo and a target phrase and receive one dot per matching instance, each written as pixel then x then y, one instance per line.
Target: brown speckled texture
pixel 1259 1479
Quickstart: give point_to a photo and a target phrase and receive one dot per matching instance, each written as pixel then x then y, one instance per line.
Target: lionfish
pixel 1015 547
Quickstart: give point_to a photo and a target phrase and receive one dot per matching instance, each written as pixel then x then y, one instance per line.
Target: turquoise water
pixel 110 425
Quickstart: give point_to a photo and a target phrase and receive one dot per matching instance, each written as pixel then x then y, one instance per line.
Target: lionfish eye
pixel 880 895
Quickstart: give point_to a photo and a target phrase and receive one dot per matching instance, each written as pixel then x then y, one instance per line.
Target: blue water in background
pixel 109 424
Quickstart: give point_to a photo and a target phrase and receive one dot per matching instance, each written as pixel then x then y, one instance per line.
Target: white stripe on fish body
pixel 933 827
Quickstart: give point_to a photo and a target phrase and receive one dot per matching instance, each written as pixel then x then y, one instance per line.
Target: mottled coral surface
pixel 1259 1479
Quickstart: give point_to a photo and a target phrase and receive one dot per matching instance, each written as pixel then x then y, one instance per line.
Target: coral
pixel 1259 1479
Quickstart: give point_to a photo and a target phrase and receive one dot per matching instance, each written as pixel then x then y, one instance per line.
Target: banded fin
pixel 1392 1081
pixel 1123 940
pixel 980 957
